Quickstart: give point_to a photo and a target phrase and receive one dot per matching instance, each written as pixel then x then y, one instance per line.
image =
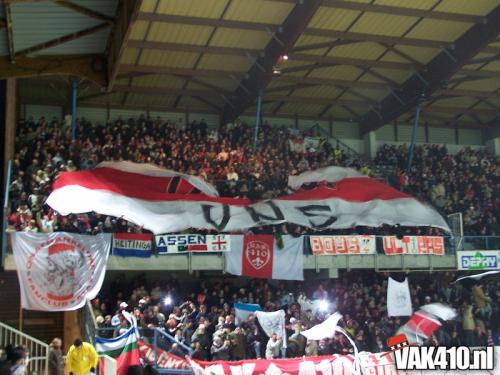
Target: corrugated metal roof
pixel 39 22
pixel 89 44
pixel 106 7
pixel 217 62
pixel 336 19
pixel 251 39
pixel 416 4
pixel 175 33
pixel 367 51
pixel 476 7
pixel 194 8
pixel 168 58
pixel 447 31
pixel 258 11
pixel 383 24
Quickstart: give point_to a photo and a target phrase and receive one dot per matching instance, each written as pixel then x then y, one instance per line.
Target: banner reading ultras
pixel 433 245
pixel 179 243
pixel 333 245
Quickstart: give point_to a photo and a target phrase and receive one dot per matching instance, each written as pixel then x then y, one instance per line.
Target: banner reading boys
pixel 59 271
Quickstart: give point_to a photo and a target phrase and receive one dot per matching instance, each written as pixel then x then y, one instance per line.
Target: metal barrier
pixel 38 351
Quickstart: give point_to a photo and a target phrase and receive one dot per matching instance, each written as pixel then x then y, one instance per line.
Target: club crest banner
pixel 341 245
pixel 179 243
pixel 59 271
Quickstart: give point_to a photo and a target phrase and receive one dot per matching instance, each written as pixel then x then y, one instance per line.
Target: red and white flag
pixel 151 197
pixel 258 256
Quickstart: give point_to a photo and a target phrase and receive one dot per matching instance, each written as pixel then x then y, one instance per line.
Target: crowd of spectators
pixel 467 182
pixel 203 317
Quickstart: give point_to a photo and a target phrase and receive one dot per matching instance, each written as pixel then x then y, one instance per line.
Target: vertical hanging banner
pixel 398 298
pixel 259 256
pixel 433 245
pixel 59 271
pixel 132 244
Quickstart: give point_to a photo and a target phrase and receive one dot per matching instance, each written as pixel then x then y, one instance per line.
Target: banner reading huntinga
pixel 59 271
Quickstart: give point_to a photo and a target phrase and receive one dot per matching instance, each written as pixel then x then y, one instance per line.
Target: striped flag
pixel 132 245
pixel 244 310
pixel 124 349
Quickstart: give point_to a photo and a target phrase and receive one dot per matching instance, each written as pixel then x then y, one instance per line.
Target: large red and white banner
pixel 342 245
pixel 259 256
pixel 148 197
pixel 433 245
pixel 59 271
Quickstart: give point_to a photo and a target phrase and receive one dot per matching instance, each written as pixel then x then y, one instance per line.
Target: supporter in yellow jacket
pixel 81 359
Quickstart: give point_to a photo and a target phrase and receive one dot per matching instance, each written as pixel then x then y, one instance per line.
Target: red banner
pixel 433 245
pixel 371 363
pixel 258 256
pixel 164 359
pixel 341 245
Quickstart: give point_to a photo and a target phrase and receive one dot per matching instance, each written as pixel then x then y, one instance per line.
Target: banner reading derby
pixel 59 271
pixel 478 260
pixel 332 245
pixel 433 245
pixel 178 243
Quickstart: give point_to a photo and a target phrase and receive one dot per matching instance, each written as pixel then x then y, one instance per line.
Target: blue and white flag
pixel 244 310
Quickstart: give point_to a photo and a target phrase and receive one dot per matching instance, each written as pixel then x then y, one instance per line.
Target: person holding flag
pixel 81 359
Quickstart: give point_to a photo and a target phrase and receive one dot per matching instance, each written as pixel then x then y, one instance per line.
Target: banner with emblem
pixel 259 256
pixel 342 245
pixel 180 243
pixel 59 271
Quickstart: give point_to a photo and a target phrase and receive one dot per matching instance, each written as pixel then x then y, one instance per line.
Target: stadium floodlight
pixel 285 57
pixel 323 305
pixel 167 301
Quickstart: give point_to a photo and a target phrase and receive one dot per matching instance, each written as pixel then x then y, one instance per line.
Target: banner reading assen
pixel 179 243
pixel 433 245
pixel 59 271
pixel 332 245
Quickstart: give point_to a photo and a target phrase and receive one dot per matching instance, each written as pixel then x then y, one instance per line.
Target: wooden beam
pixel 336 82
pixel 440 69
pixel 480 73
pixel 331 44
pixel 267 27
pixel 10 35
pixel 302 68
pixel 313 100
pixel 63 39
pixel 471 93
pixel 253 53
pixel 464 111
pixel 352 61
pixel 484 60
pixel 91 67
pixel 162 91
pixel 180 71
pixel 404 55
pixel 85 11
pixel 120 34
pixel 395 10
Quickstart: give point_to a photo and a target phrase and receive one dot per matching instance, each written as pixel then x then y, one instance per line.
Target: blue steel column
pixel 74 94
pixel 413 138
pixel 257 122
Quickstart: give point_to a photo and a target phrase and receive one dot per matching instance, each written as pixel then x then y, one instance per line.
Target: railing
pixel 38 351
pixel 88 323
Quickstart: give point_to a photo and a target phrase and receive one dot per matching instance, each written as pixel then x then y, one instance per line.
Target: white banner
pixel 433 245
pixel 479 260
pixel 398 298
pixel 59 271
pixel 341 245
pixel 325 329
pixel 179 243
pixel 273 322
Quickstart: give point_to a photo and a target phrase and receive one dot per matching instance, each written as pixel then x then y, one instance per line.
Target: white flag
pixel 273 322
pixel 478 276
pixel 398 298
pixel 323 330
pixel 59 271
pixel 440 310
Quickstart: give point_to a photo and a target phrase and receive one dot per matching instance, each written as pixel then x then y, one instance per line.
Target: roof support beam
pixel 179 71
pixel 335 43
pixel 253 53
pixel 440 69
pixel 471 93
pixel 162 91
pixel 10 35
pixel 90 67
pixel 395 10
pixel 267 27
pixel 63 39
pixel 310 100
pixel 261 73
pixel 336 82
pixel 85 11
pixel 120 34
